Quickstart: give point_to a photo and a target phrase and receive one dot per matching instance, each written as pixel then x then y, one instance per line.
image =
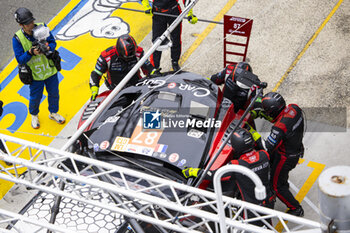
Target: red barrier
pixel 236 39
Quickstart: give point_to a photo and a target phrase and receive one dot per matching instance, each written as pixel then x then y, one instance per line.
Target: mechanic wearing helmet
pixel 117 61
pixel 43 72
pixel 237 92
pixel 160 23
pixel 258 161
pixel 285 145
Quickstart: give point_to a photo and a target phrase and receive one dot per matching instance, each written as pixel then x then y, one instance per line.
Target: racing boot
pixel 175 65
pixel 296 212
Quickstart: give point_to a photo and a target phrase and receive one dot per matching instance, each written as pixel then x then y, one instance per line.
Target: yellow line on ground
pixel 6 185
pixel 318 168
pixel 63 13
pixel 307 46
pixel 205 33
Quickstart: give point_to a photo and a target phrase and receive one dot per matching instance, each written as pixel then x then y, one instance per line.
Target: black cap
pixel 24 16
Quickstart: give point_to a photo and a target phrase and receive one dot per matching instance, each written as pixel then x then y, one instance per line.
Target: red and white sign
pixel 236 39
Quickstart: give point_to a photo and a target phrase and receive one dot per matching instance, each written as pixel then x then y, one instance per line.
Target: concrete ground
pixel 302 41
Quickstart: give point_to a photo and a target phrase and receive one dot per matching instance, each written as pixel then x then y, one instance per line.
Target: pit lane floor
pixel 299 48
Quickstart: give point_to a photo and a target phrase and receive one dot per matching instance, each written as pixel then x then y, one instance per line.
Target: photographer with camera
pixel 38 63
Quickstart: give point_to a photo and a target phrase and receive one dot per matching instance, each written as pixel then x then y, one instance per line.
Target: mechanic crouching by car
pixel 236 91
pixel 117 61
pixel 245 155
pixel 284 144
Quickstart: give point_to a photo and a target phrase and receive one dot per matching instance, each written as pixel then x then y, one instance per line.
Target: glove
pixel 155 71
pixel 191 17
pixel 254 133
pixel 147 7
pixel 257 108
pixel 259 144
pixel 262 114
pixel 94 92
pixel 258 111
pixel 254 114
pixel 190 172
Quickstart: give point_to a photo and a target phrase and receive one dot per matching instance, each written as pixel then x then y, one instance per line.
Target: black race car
pixel 161 125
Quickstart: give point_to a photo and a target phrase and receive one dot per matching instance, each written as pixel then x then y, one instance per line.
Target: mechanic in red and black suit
pixel 285 145
pixel 117 61
pixel 160 23
pixel 236 93
pixel 245 155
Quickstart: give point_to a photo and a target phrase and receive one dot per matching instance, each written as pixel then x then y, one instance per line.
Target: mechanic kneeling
pixel 257 161
pixel 117 61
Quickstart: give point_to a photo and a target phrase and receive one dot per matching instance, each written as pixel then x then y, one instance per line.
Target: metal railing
pixel 142 197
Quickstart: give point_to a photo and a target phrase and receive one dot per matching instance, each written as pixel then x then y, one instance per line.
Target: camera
pixel 40 33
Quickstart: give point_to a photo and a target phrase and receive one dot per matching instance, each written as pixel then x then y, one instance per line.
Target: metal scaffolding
pixel 106 189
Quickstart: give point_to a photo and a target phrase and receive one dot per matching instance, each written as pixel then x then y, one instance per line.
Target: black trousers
pixel 159 25
pixel 280 168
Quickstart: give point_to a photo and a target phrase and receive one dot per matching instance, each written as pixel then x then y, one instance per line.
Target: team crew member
pixel 43 70
pixel 161 23
pixel 233 90
pixel 257 161
pixel 117 61
pixel 285 145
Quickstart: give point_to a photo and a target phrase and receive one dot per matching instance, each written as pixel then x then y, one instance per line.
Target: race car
pixel 159 126
pixel 162 125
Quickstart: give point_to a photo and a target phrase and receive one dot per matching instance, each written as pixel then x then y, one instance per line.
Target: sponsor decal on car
pixel 174 157
pixel 195 133
pixel 143 150
pixel 181 163
pixel 120 143
pixel 196 91
pixel 161 148
pixel 96 147
pixel 112 119
pixel 151 83
pixel 171 85
pixel 143 141
pixel 104 145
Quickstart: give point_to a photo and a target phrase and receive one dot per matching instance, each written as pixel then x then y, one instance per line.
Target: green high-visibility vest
pixel 42 68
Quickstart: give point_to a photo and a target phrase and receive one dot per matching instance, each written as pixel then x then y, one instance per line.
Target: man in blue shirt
pixel 43 70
